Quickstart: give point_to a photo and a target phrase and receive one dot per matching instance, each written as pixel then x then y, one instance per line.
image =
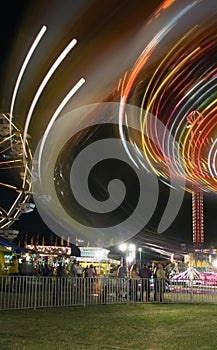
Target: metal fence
pixel 23 292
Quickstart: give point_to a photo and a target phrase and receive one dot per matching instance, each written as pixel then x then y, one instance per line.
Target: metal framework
pixel 15 173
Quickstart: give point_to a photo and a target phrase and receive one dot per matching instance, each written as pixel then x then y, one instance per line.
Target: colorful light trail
pixel 174 81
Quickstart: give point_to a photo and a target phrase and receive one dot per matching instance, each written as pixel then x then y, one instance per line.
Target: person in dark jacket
pixel 45 271
pixel 145 275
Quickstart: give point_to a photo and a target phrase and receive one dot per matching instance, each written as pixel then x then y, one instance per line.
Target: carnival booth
pixel 6 253
pixel 52 255
pixel 98 257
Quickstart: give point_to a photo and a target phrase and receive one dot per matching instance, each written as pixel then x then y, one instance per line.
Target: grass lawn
pixel 105 327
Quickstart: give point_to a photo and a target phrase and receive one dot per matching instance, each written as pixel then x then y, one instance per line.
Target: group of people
pixel 136 275
pixel 142 275
pixel 24 268
pixel 76 270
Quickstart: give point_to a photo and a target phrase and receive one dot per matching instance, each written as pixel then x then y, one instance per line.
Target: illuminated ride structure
pixel 197 195
pixel 15 176
pixel 198 219
pixel 176 92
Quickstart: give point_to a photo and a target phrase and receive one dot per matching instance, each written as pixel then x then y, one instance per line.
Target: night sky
pixel 100 26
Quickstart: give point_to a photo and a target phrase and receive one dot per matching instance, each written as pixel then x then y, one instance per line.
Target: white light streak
pixel 26 61
pixel 122 133
pixel 55 115
pixel 43 84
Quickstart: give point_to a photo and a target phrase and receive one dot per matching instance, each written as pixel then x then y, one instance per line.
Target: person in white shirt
pixel 79 270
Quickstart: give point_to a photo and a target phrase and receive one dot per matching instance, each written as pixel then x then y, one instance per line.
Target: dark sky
pixel 113 18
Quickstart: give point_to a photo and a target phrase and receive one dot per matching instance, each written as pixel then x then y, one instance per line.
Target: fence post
pixel 191 291
pixel 85 291
pixel 35 296
pixel 128 291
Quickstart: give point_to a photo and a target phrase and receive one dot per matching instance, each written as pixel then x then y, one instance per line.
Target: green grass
pixel 105 327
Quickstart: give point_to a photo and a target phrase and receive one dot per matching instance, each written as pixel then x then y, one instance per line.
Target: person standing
pixel 86 271
pixel 122 275
pixel 61 271
pixel 90 280
pixel 45 270
pixel 60 283
pixel 73 269
pixel 91 271
pixel 154 272
pixel 134 279
pixel 145 275
pixel 122 271
pixel 23 267
pixel 14 266
pixel 160 283
pixel 13 272
pixel 79 270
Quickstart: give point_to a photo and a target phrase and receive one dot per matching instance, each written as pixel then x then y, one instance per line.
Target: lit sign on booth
pixel 50 249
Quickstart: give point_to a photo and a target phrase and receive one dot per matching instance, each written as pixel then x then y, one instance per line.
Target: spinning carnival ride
pixel 174 81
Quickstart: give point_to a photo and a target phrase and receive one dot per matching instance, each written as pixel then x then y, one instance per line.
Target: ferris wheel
pixel 15 151
pixel 15 176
